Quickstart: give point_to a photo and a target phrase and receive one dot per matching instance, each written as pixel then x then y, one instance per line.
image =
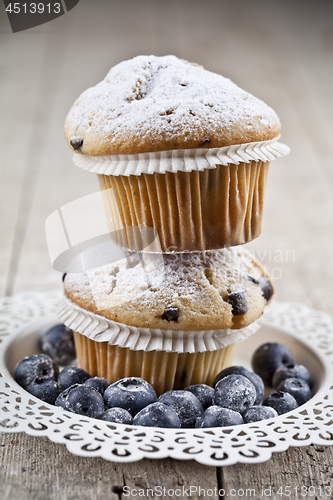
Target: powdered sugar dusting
pixel 169 98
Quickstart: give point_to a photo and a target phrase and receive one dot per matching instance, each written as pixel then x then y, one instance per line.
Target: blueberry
pixel 203 392
pixel 297 387
pixel 291 371
pixel 216 416
pixel 76 142
pixel 253 377
pixel 268 358
pixel 238 302
pixel 58 343
pixel 81 399
pixel 257 413
pixel 186 405
pixel 235 392
pixel 130 393
pixel 266 288
pixel 157 415
pixel 282 402
pixel 45 389
pixel 171 313
pixel 118 416
pixel 251 278
pixel 72 375
pixel 35 366
pixel 98 383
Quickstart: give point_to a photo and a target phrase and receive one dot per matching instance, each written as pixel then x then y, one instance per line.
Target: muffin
pixel 178 149
pixel 174 322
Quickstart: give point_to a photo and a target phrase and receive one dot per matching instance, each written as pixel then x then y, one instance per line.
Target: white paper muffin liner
pixel 181 160
pixel 101 329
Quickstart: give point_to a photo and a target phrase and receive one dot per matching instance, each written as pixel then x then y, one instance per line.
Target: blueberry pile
pixel 236 396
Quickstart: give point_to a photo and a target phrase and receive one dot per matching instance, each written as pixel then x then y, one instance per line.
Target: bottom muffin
pixel 210 290
pixel 171 319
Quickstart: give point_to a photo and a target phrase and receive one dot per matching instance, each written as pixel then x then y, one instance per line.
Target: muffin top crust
pixel 211 290
pixel 150 104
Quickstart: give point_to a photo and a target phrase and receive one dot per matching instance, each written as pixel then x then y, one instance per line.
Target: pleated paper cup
pixel 190 211
pixel 195 200
pixel 163 370
pixel 167 359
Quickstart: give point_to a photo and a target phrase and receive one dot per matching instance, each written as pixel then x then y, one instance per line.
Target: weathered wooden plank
pixel 40 469
pixel 45 83
pixel 169 479
pixel 297 469
pixel 22 72
pixel 36 468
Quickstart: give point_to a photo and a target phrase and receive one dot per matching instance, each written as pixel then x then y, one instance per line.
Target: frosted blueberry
pixel 257 413
pixel 216 416
pixel 291 371
pixel 35 366
pixel 98 383
pixel 268 358
pixel 131 393
pixel 81 399
pixel 186 405
pixel 297 387
pixel 253 377
pixel 117 416
pixel 157 415
pixel 45 389
pixel 72 375
pixel 282 402
pixel 203 392
pixel 235 392
pixel 58 343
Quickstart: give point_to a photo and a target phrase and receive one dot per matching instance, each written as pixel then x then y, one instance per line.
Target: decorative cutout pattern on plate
pixel 312 423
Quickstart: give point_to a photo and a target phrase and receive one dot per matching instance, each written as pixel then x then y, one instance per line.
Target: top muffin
pixel 150 104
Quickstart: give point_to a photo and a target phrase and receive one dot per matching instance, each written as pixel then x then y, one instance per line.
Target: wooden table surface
pixel 280 51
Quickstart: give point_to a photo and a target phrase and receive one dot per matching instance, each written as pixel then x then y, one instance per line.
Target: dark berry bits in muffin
pixel 238 302
pixel 76 143
pixel 251 278
pixel 171 313
pixel 266 288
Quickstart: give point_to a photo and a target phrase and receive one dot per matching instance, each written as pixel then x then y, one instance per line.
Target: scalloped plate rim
pixel 199 456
